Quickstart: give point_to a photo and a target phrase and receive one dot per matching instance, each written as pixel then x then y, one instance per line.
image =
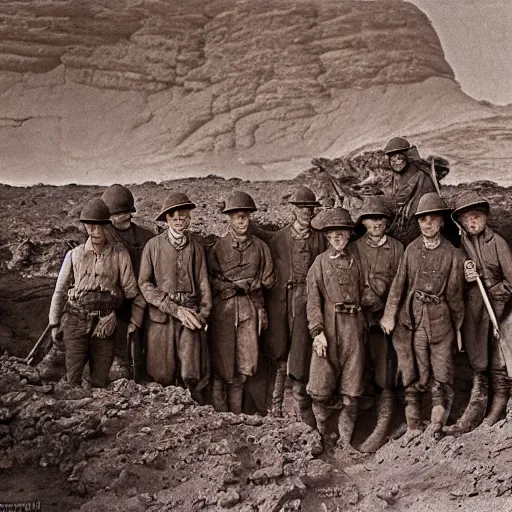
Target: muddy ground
pixel 148 448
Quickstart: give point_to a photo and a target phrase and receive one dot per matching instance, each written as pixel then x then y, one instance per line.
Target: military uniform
pixel 120 200
pixel 240 267
pixel 90 288
pixel 287 339
pixel 426 294
pixel 493 260
pixel 173 274
pixel 334 288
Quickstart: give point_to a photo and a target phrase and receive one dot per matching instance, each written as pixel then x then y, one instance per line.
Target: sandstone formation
pixel 130 90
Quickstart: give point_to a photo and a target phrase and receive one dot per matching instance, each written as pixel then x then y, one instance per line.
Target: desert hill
pixel 134 90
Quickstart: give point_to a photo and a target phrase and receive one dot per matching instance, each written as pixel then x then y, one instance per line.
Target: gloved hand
pixel 262 320
pixel 189 318
pixel 320 345
pixel 387 324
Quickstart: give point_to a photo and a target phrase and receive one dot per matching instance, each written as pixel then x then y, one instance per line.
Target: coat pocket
pixel 155 315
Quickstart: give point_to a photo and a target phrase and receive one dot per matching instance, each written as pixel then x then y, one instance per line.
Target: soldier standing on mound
pixel 133 238
pixel 93 282
pixel 379 256
pixel 336 324
pixel 493 260
pixel 410 183
pixel 426 296
pixel 240 266
pixel 287 339
pixel 174 280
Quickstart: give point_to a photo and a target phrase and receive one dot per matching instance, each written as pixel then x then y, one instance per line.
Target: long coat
pixel 287 334
pixel 166 272
pixel 336 279
pixel 493 259
pixel 437 272
pixel 228 262
pixel 407 189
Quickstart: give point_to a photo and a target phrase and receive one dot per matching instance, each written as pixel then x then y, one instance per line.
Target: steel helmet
pixel 469 200
pixel 239 200
pixel 175 201
pixel 118 199
pixel 374 206
pixel 431 203
pixel 333 218
pixel 95 211
pixel 303 196
pixel 397 144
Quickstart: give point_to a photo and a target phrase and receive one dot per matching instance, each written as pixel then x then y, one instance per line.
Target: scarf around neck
pixel 432 243
pixel 178 240
pixel 379 243
pixel 299 232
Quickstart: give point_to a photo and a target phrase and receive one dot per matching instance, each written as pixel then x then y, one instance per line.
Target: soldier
pixel 240 266
pixel 174 281
pixel 287 339
pixel 409 184
pixel 493 260
pixel 426 295
pixel 379 256
pixel 93 281
pixel 133 238
pixel 336 324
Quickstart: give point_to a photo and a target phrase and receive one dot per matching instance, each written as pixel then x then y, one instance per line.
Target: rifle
pixel 28 360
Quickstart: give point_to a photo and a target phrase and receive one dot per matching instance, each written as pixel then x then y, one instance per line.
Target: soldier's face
pixel 338 238
pixel 397 161
pixel 303 214
pixel 179 220
pixel 239 221
pixel 430 225
pixel 473 221
pixel 121 221
pixel 97 233
pixel 376 227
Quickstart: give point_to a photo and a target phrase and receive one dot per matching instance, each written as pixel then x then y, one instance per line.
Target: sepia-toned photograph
pixel 256 255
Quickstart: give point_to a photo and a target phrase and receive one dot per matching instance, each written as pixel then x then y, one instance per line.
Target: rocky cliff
pixel 130 90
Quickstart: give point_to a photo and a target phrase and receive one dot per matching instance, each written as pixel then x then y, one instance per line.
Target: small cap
pixel 118 199
pixel 374 206
pixel 303 196
pixel 239 200
pixel 431 203
pixel 175 201
pixel 397 144
pixel 95 211
pixel 469 200
pixel 333 218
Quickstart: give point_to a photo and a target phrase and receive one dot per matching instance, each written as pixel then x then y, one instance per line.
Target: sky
pixel 477 42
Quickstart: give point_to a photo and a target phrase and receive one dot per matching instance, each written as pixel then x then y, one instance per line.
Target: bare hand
pixel 387 324
pixel 56 334
pixel 262 320
pixel 320 345
pixel 132 327
pixel 189 318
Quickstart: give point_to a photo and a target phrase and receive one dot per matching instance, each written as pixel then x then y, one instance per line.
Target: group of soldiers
pixel 333 306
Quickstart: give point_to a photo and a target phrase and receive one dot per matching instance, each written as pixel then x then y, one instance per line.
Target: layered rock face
pixel 130 90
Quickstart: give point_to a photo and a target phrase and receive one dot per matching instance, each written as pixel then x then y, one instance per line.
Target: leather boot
pixel 321 415
pixel 475 411
pixel 236 394
pixel 220 403
pixel 304 402
pixel 278 393
pixel 449 395
pixel 384 417
pixel 347 420
pixel 412 409
pixel 53 365
pixel 501 394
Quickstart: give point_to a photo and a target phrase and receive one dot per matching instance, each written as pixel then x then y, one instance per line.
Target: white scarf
pixel 178 240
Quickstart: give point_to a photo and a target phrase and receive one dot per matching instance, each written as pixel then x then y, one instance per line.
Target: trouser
pixel 82 346
pixel 173 351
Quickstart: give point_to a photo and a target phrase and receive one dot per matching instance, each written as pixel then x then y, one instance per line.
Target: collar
pixel 334 254
pixel 432 243
pixel 107 248
pixel 240 243
pixel 380 243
